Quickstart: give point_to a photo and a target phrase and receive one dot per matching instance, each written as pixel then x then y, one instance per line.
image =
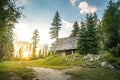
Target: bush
pixel 115 51
pixel 110 58
pixel 114 61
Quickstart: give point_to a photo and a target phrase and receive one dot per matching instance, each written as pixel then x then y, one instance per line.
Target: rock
pixel 91 59
pixel 66 59
pixel 110 66
pixel 103 64
pixel 88 56
pixel 96 58
pixel 85 57
pixel 117 67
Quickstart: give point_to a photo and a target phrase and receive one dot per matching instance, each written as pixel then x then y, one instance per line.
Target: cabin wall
pixel 66 52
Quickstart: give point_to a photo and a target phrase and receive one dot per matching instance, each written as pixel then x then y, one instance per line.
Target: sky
pixel 40 13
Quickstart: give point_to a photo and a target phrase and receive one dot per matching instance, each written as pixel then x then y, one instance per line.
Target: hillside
pixel 82 67
pixel 90 60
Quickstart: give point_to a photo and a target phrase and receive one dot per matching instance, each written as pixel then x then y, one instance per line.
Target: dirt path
pixel 50 74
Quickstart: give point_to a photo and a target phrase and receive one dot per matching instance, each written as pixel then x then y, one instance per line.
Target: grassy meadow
pixel 15 70
pixel 19 69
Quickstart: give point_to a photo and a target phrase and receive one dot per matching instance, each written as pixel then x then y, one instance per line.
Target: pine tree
pixel 54 31
pixel 9 43
pixel 82 40
pixel 100 36
pixel 91 24
pixel 46 48
pixel 111 27
pixel 9 13
pixel 20 54
pixel 87 38
pixel 35 41
pixel 75 29
pixel 40 54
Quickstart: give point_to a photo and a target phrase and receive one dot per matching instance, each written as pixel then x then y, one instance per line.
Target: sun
pixel 26 54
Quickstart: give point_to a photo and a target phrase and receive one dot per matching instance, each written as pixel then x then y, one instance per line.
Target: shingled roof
pixel 68 43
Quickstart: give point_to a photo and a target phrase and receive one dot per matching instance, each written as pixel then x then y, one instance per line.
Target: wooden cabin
pixel 65 46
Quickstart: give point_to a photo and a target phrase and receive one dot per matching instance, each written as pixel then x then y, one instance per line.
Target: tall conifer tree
pixel 9 13
pixel 92 38
pixel 35 41
pixel 88 39
pixel 82 40
pixel 111 27
pixel 54 30
pixel 75 29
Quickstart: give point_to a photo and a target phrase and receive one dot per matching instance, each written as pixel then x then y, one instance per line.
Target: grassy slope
pixel 58 62
pixel 14 69
pixel 95 74
pixel 86 73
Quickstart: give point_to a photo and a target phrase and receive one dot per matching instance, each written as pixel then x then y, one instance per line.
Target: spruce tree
pixel 75 29
pixel 35 41
pixel 54 30
pixel 88 38
pixel 82 40
pixel 100 36
pixel 92 38
pixel 111 27
pixel 20 54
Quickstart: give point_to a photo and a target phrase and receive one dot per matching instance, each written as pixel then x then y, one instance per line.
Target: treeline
pixel 95 35
pixel 32 51
pixel 9 14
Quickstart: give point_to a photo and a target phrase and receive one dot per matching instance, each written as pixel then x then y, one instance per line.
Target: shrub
pixel 110 58
pixel 115 51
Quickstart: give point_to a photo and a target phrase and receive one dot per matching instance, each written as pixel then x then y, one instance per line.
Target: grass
pixel 86 73
pixel 55 62
pixel 15 69
pixel 39 63
pixel 58 62
pixel 95 74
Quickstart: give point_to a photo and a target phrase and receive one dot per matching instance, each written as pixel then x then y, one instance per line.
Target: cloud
pixel 86 8
pixel 65 28
pixel 73 2
pixel 23 1
pixel 66 24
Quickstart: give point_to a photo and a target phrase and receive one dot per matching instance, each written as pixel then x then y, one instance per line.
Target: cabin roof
pixel 68 43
